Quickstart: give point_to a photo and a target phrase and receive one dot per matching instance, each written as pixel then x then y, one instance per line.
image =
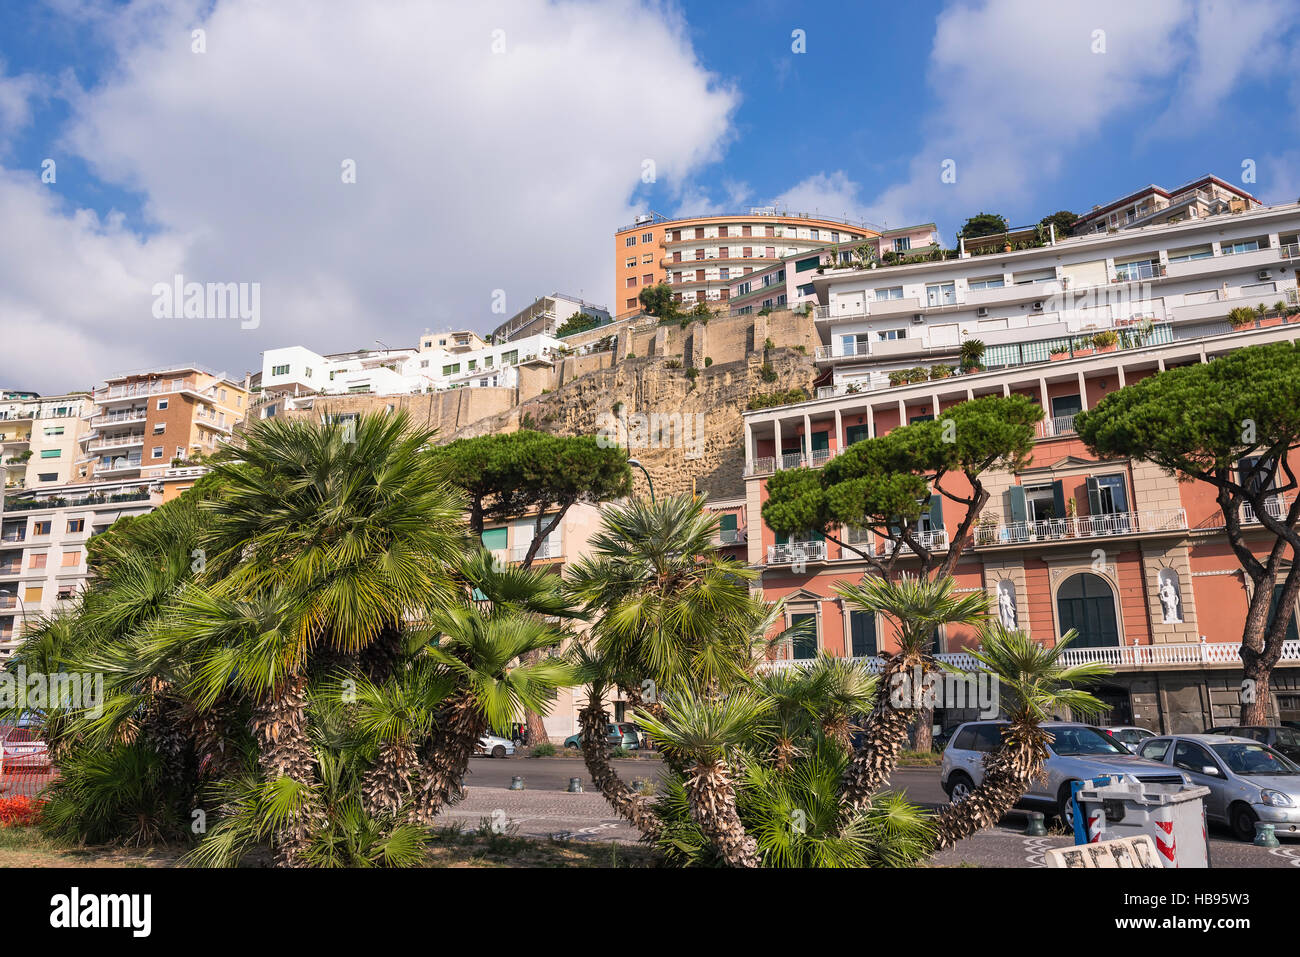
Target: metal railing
pixel 731 536
pixel 117 442
pixel 1276 506
pixel 1084 526
pixel 1056 425
pixel 796 552
pixel 547 549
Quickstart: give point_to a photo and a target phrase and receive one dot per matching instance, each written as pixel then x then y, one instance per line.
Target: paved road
pixel 544 809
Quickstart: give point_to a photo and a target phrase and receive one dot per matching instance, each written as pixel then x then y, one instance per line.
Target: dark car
pixel 1286 741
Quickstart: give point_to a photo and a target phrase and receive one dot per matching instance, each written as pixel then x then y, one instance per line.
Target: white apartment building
pixel 446 360
pixel 1158 283
pixel 545 315
pixel 43 540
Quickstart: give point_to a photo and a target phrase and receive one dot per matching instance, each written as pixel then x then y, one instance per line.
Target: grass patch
pixel 456 847
pixel 28 847
pixel 919 759
pixel 542 751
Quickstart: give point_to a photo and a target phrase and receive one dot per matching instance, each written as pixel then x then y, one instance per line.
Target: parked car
pixel 1077 752
pixel 1248 781
pixel 495 745
pixel 1284 740
pixel 1129 735
pixel 622 735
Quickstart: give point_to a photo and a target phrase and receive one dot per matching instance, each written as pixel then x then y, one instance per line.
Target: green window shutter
pixel 803 265
pixel 821 441
pixel 862 634
pixel 495 539
pixel 51 453
pixel 1016 504
pixel 1094 497
pixel 856 433
pixel 782 538
pixel 936 512
pixel 1058 499
pixel 728 523
pixel 805 646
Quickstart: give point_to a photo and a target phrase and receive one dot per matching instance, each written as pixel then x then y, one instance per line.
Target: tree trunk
pixel 923 735
pixel 386 786
pixel 445 758
pixel 713 808
pixel 884 733
pixel 626 803
pixel 1007 775
pixel 279 723
pixel 536 725
pixel 1255 691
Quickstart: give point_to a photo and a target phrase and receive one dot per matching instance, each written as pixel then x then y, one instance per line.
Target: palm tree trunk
pixel 1007 775
pixel 713 808
pixel 536 725
pixel 923 736
pixel 445 758
pixel 387 785
pixel 884 734
pixel 626 803
pixel 279 723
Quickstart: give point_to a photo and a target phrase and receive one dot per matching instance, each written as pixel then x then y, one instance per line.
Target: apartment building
pixel 43 536
pixel 140 423
pixel 1164 282
pixel 38 437
pixel 789 283
pixel 1152 205
pixel 445 360
pixel 1165 601
pixel 700 255
pixel 544 316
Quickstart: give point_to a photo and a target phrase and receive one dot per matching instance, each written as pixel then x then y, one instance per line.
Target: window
pixel 803 265
pixel 1187 255
pixel 647 279
pixel 699 254
pixel 157 452
pixel 992 282
pixel 1086 603
pixel 805 290
pixel 72 559
pixel 50 476
pixel 159 428
pixel 76 525
pixel 889 292
pixel 902 244
pixel 1106 495
pixel 1192 757
pixel 771 252
pixel 888 335
pixel 471 365
pixel 630 283
pixel 1154 750
pixel 630 303
pixel 451 369
pixel 629 241
pixel 804 644
pixel 51 453
pixel 37 561
pixel 630 263
pixel 724 272
pixel 862 634
pixel 510 358
pixel 32 594
pixel 54 430
pixel 746 231
pixel 41 528
pixel 275 370
pixel 1243 246
pixel 940 294
pixel 1138 269
pixel 162 403
pixel 647 258
pixel 647 237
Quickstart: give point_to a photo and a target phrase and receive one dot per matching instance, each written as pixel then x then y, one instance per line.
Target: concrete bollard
pixel 1035 827
pixel 575 785
pixel 517 783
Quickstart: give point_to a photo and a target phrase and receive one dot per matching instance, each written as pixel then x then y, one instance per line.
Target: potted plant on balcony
pixel 1271 317
pixel 1058 353
pixel 1105 340
pixel 1241 317
pixel 898 377
pixel 940 372
pixel 918 374
pixel 972 353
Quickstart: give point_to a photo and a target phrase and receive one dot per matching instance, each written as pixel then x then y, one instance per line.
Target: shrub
pixel 543 750
pixel 1241 316
pixel 767 373
pixel 940 372
pixel 1105 339
pixel 769 400
pixel 673 364
pixel 707 362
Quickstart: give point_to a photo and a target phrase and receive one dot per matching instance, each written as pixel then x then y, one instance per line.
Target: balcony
pixel 547 549
pixel 796 552
pixel 116 418
pixel 1056 426
pixel 1276 507
pixel 732 536
pixel 1084 526
pixel 875 665
pixel 117 442
pixel 1140 656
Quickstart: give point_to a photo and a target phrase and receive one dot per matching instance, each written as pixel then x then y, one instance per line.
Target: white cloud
pixel 1018 90
pixel 476 171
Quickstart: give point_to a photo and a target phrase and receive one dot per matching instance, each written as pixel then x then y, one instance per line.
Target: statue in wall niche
pixel 1170 597
pixel 1007 603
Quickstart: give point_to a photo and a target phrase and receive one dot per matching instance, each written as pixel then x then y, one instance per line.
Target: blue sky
pixel 499 144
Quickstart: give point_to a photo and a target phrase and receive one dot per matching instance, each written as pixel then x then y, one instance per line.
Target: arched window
pixel 1086 603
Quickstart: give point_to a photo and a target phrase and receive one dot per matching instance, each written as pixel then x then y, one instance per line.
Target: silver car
pixel 1077 752
pixel 1248 781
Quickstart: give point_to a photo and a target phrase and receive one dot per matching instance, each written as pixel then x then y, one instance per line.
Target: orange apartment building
pixel 700 255
pixel 142 422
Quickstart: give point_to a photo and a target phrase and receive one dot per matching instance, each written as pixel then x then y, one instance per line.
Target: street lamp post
pixel 636 464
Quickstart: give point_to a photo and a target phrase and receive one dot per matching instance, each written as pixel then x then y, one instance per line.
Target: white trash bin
pixel 1172 815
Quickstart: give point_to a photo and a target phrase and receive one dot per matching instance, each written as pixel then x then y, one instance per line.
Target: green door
pixel 804 646
pixel 1086 604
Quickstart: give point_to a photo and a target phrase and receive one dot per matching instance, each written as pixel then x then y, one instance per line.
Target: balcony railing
pixel 112 418
pixel 118 442
pixel 1056 425
pixel 731 536
pixel 1130 656
pixel 1276 507
pixel 547 549
pixel 144 388
pixel 1084 526
pixel 795 552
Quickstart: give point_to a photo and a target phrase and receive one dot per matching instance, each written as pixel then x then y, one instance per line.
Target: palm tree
pixel 706 734
pixel 1035 686
pixel 918 607
pixel 672 615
